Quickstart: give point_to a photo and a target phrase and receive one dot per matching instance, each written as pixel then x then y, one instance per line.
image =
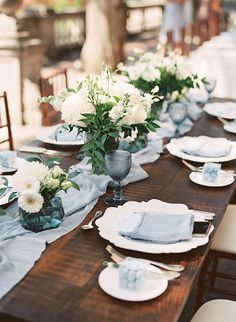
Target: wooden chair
pixel 223 247
pixel 216 311
pixel 50 86
pixel 5 122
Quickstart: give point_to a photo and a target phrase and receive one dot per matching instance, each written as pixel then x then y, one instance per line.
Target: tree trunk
pixel 105 34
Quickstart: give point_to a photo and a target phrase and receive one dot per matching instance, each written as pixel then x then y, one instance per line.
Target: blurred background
pixel 40 39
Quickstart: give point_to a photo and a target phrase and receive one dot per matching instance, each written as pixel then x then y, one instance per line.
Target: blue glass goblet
pixel 210 86
pixel 118 165
pixel 178 112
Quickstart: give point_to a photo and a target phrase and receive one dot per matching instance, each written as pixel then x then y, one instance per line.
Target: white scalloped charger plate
pixel 152 287
pixel 44 136
pixel 176 145
pixel 107 230
pixel 230 127
pixel 225 110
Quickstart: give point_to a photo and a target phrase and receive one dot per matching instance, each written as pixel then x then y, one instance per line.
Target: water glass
pixel 210 86
pixel 118 165
pixel 178 112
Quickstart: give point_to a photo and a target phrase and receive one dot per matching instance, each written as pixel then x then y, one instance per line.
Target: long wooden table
pixel 63 285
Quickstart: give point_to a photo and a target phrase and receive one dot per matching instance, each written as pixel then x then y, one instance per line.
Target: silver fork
pixel 161 274
pixel 223 120
pixel 169 267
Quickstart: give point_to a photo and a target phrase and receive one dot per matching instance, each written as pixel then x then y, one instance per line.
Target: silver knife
pixel 39 150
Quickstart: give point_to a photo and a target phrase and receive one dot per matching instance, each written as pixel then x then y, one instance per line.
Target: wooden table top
pixel 63 285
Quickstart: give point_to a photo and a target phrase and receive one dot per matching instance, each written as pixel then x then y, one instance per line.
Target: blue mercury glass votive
pixel 132 274
pixel 211 171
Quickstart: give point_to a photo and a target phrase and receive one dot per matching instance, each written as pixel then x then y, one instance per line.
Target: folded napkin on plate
pixel 61 134
pixel 207 147
pixel 156 227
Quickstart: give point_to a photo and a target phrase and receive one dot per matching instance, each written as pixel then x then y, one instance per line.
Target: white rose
pixel 57 171
pixel 66 185
pixel 53 184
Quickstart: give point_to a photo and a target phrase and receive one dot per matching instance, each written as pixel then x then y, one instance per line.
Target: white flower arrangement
pixel 154 70
pixel 36 184
pixel 103 109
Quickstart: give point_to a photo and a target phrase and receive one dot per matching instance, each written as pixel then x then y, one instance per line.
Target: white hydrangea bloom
pixel 151 73
pixel 120 89
pixel 135 114
pixel 30 202
pixel 74 106
pixel 135 71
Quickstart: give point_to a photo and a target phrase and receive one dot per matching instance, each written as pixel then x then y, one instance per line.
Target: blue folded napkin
pixel 8 159
pixel 157 228
pixel 61 134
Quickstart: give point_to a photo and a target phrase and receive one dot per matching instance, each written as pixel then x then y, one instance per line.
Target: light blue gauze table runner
pixel 21 248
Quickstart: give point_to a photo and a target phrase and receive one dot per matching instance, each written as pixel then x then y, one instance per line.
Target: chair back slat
pixel 51 86
pixel 5 121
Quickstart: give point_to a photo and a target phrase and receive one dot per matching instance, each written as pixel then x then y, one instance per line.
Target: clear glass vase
pixel 136 145
pixel 97 160
pixel 50 216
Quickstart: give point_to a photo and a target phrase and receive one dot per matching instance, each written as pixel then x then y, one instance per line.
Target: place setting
pixel 209 151
pixel 9 162
pixel 59 136
pixel 202 149
pixel 134 279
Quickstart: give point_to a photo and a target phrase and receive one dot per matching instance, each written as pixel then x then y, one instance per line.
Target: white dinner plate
pixel 106 225
pixel 230 128
pixel 44 136
pixel 152 287
pixel 5 199
pixel 221 181
pixel 225 110
pixel 19 162
pixel 176 145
